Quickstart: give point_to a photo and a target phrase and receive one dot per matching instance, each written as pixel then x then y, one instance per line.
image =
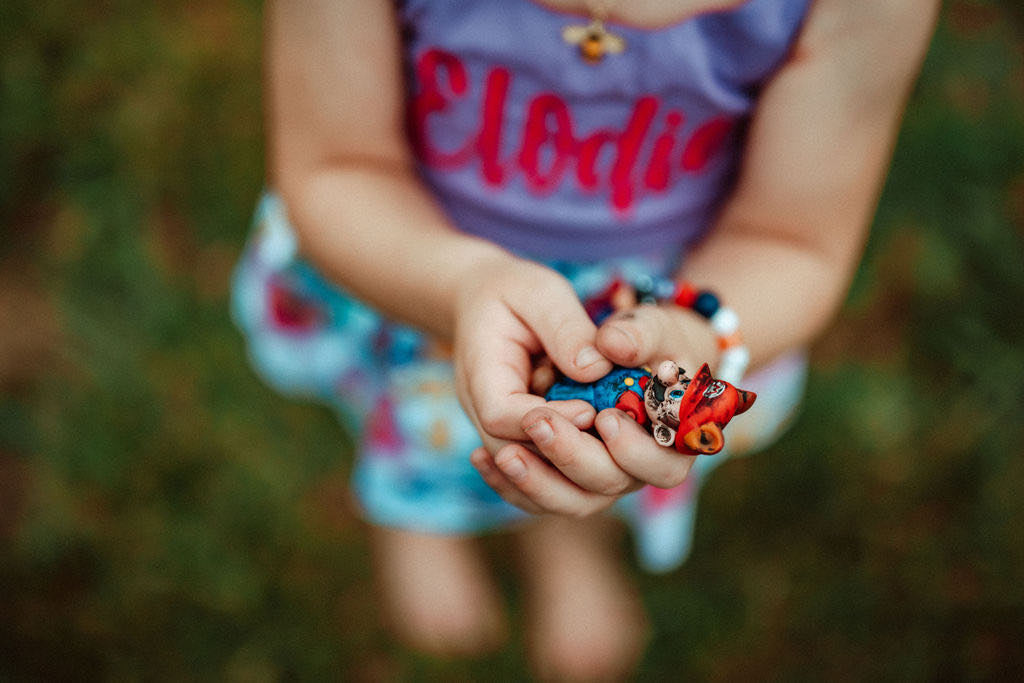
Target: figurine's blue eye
pixel 675 393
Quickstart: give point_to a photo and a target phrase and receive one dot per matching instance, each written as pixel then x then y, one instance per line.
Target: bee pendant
pixel 594 41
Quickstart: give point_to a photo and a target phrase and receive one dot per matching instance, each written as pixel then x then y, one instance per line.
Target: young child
pixel 474 170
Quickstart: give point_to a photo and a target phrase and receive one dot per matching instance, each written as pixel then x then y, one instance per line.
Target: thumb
pixel 555 315
pixel 651 334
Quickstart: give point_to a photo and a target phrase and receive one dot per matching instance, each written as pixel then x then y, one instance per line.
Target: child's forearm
pixel 373 229
pixel 787 243
pixel 338 155
pixel 784 293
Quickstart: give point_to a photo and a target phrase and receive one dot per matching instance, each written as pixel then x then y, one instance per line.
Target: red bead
pixel 686 295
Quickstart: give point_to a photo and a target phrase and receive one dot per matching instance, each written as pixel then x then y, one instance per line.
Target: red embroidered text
pixel 550 148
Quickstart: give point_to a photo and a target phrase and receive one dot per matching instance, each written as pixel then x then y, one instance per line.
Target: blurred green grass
pixel 164 515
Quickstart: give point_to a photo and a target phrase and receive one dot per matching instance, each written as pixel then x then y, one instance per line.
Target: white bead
pixel 733 364
pixel 725 322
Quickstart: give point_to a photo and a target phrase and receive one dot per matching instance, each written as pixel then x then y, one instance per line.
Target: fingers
pixel 495 361
pixel 579 456
pixel 497 402
pixel 636 336
pixel 576 474
pixel 580 413
pixel 484 463
pixel 562 326
pixel 648 335
pixel 573 415
pixel 543 376
pixel 528 482
pixel 638 454
pixel 492 378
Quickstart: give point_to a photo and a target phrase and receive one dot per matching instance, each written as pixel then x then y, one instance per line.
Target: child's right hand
pixel 510 311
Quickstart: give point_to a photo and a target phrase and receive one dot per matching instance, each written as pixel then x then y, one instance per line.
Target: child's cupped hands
pixel 512 312
pixel 545 457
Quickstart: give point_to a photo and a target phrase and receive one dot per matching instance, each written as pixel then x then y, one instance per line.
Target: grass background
pixel 163 515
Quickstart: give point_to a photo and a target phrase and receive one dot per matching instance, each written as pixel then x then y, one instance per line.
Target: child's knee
pixel 437 594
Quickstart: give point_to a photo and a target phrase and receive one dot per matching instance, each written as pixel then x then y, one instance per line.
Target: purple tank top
pixel 530 146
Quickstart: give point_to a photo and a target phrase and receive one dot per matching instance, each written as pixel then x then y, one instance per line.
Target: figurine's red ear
pixel 747 399
pixel 703 375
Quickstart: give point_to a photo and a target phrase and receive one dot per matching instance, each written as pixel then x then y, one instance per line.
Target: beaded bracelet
pixel 735 357
pixel 724 321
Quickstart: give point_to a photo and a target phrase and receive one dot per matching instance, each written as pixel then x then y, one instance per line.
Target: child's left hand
pixel 648 334
pixel 577 474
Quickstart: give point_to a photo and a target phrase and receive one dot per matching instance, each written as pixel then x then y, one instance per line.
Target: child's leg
pixel 587 619
pixel 437 593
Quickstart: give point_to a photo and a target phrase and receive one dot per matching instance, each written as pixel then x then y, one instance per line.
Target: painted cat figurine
pixel 685 413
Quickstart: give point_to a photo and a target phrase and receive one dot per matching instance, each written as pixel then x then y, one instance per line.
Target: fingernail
pixel 513 467
pixel 541 432
pixel 609 426
pixel 587 357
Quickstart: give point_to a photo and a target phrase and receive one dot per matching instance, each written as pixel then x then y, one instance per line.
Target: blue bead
pixel 706 304
pixel 644 283
pixel 664 289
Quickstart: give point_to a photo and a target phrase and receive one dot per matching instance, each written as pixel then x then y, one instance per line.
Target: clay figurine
pixel 685 413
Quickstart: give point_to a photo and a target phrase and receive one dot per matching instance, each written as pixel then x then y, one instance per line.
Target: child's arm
pixel 787 243
pixel 784 248
pixel 338 155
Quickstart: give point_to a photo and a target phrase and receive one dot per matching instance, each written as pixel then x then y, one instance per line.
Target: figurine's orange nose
pixel 706 439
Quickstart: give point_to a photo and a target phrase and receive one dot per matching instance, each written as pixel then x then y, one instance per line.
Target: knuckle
pixel 563 455
pixel 675 476
pixel 564 332
pixel 622 339
pixel 653 316
pixel 544 284
pixel 553 282
pixel 494 480
pixel 492 420
pixel 566 337
pixel 613 488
